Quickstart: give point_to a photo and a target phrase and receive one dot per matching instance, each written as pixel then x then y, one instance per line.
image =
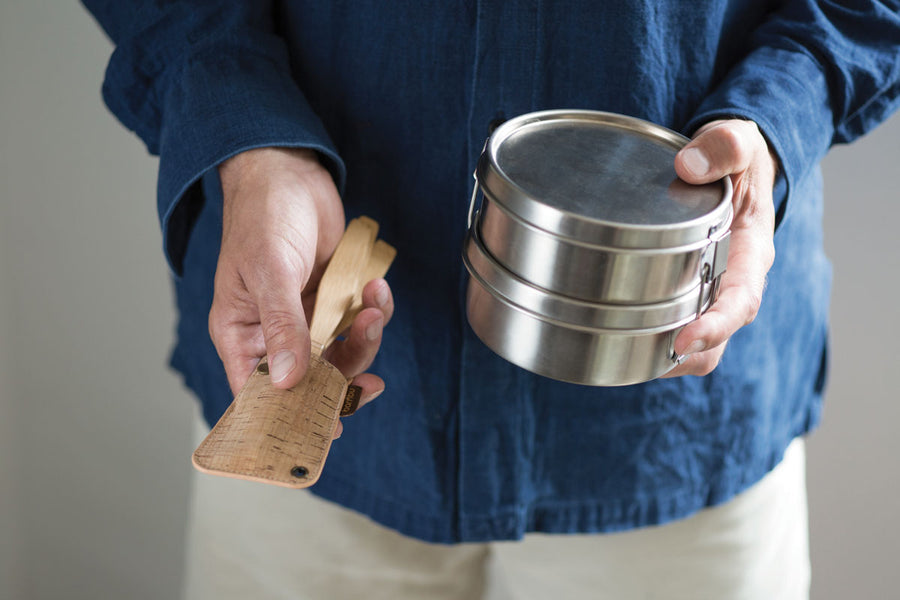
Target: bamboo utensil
pixel 283 437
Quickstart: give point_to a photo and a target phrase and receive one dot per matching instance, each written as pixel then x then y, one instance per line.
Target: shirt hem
pixel 560 517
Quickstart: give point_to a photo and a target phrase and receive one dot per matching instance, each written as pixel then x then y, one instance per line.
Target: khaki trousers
pixel 253 541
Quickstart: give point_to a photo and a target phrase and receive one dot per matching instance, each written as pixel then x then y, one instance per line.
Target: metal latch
pixel 714 261
pixel 720 243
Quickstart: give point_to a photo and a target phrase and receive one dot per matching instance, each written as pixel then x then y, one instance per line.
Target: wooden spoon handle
pixel 379 262
pixel 340 281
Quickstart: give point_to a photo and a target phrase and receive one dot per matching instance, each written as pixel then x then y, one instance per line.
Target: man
pixel 274 121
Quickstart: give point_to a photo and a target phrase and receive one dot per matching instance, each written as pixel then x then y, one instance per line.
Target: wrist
pixel 285 189
pixel 264 162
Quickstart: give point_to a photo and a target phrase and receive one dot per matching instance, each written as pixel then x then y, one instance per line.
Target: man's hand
pixel 737 149
pixel 282 219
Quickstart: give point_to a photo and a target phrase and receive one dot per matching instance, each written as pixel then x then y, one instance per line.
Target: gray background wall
pixel 94 430
pixel 101 458
pixel 9 440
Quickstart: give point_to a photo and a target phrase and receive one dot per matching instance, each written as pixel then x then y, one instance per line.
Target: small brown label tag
pixel 351 400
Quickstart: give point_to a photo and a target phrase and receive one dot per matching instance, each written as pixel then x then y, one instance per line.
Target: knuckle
pixel 708 363
pixel 769 255
pixel 731 140
pixel 718 332
pixel 752 304
pixel 750 129
pixel 278 326
pixel 275 265
pixel 705 368
pixel 215 322
pixel 212 327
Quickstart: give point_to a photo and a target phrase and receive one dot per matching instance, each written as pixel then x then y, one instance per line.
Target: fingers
pixel 703 341
pixel 245 326
pixel 257 310
pixel 719 149
pixel 274 284
pixel 740 294
pixel 377 294
pixel 286 336
pixel 701 363
pixel 371 387
pixel 355 353
pixel 239 346
pixel 740 297
pixel 234 328
pixel 735 149
pixel 281 219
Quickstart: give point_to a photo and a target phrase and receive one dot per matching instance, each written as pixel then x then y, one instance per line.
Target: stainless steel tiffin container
pixel 587 254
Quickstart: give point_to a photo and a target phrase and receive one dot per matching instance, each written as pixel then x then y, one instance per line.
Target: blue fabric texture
pixel 464 446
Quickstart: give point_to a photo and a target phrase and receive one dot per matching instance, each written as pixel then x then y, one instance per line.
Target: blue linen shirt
pixel 397 98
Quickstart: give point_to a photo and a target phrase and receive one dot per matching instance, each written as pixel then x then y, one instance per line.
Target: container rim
pixel 495 183
pixel 574 313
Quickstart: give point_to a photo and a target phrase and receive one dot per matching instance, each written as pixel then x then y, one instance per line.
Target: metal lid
pixel 580 314
pixel 599 178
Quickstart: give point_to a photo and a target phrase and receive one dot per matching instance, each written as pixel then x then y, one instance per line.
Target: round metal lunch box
pixel 587 254
pixel 569 339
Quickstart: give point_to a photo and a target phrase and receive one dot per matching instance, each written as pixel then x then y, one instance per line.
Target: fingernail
pixel 695 347
pixel 374 329
pixel 381 295
pixel 281 365
pixel 696 162
pixel 373 396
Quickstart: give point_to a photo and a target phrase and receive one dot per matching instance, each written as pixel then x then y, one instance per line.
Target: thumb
pixel 286 336
pixel 720 148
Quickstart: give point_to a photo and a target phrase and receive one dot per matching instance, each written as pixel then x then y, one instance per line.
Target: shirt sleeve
pixel 199 81
pixel 817 73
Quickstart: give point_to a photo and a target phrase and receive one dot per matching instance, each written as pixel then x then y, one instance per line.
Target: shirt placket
pixel 493 465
